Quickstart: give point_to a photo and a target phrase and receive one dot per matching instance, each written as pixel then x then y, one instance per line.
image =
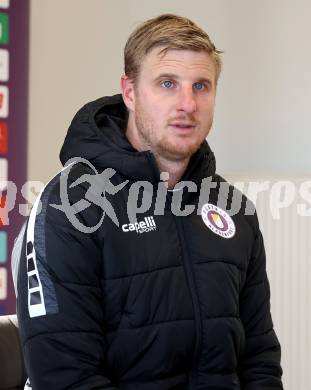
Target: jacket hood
pixel 97 134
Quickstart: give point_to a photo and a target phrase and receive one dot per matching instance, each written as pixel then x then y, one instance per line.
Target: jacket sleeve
pixel 59 303
pixel 260 368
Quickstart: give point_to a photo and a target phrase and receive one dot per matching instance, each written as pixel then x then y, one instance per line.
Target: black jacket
pixel 166 303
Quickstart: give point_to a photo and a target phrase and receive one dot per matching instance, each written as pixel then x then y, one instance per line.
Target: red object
pixel 3 214
pixel 3 137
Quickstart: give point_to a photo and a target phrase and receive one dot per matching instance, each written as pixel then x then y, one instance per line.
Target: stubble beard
pixel 163 147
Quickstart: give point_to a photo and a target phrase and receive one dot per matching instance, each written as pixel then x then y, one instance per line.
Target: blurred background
pixel 261 132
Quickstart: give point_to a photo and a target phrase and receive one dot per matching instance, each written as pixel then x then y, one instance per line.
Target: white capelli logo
pixel 218 221
pixel 145 226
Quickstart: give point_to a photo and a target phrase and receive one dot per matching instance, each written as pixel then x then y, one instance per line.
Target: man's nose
pixel 187 100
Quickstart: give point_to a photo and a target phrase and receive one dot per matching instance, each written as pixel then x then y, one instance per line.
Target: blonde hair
pixel 171 32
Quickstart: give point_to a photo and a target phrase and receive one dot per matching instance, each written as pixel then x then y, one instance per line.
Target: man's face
pixel 173 103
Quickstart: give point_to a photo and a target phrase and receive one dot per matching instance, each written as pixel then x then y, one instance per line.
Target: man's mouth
pixel 183 125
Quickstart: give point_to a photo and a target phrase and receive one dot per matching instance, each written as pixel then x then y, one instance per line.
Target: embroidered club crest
pixel 218 221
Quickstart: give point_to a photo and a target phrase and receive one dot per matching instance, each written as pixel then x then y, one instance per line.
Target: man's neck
pixel 175 169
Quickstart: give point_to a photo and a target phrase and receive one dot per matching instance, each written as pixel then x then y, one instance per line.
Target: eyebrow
pixel 166 76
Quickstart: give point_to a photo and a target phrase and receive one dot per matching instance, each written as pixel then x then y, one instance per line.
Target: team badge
pixel 218 221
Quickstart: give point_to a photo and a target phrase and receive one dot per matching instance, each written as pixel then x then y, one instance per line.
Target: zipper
pixel 195 301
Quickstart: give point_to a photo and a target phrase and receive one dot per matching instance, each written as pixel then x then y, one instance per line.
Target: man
pixel 131 279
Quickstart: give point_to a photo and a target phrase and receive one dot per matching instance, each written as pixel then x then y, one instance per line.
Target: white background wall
pixel 75 57
pixel 262 125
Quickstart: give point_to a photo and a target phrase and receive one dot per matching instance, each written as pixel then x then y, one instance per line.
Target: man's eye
pixel 199 86
pixel 167 84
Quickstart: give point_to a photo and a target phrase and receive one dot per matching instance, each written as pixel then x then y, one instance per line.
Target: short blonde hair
pixel 171 32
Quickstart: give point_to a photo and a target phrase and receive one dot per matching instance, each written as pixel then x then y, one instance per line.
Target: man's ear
pixel 128 93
